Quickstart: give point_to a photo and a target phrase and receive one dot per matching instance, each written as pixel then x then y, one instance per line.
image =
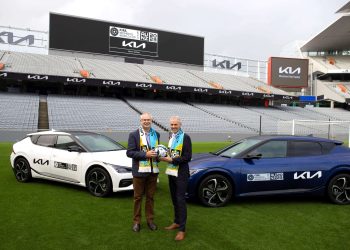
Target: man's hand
pixel 151 154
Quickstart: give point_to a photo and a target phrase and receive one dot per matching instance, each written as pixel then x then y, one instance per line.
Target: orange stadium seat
pixel 342 88
pixel 215 85
pixel 84 73
pixel 331 60
pixel 156 79
pixel 264 90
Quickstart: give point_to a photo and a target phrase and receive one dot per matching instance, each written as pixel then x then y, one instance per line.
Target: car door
pixel 268 173
pixel 41 153
pixel 309 164
pixel 66 163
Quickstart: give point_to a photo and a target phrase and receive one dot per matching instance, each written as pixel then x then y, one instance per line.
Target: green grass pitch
pixel 49 215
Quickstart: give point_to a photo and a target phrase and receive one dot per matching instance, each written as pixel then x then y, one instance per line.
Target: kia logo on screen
pixel 134 45
pixel 289 70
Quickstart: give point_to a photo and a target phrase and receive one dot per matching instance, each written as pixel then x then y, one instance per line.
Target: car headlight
pixel 195 171
pixel 119 169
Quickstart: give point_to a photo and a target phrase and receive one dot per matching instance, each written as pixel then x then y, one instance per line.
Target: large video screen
pixel 288 72
pixel 101 37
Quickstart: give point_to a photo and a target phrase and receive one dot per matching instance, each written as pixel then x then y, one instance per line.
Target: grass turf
pixel 49 215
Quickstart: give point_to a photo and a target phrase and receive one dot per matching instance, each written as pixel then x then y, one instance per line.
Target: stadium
pixel 103 82
pixel 99 76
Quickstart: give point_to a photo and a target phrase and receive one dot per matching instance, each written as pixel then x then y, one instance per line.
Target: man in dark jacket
pixel 180 148
pixel 141 144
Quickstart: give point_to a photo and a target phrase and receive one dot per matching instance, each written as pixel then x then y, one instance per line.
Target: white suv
pixel 82 158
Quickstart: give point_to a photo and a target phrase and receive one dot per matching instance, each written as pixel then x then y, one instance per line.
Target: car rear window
pixel 327 147
pixel 46 140
pixel 34 138
pixel 304 148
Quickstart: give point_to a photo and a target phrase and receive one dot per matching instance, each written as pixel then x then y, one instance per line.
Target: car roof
pixel 294 138
pixel 61 132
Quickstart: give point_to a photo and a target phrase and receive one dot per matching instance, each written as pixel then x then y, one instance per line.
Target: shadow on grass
pixel 74 188
pixel 268 200
pixel 279 199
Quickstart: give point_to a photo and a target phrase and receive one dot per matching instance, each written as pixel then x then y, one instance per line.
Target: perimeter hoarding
pixel 70 33
pixel 79 81
pixel 288 72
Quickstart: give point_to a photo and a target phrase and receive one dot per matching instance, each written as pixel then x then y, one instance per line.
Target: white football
pixel 161 150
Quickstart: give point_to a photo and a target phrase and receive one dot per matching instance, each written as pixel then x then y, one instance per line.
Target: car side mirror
pixel 253 156
pixel 75 148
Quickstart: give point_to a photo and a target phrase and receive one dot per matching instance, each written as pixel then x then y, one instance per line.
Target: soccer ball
pixel 161 150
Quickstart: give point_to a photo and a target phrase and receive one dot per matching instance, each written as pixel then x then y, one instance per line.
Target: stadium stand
pixel 91 113
pixel 338 88
pixel 41 64
pixel 19 111
pixel 233 113
pixel 174 76
pixel 227 81
pixel 322 64
pixel 104 69
pixel 194 119
pixel 333 114
pixel 139 91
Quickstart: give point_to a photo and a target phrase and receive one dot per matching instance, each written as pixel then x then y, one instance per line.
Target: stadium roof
pixel 334 37
pixel 344 9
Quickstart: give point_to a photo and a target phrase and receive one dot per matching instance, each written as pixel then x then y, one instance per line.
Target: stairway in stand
pixel 43 122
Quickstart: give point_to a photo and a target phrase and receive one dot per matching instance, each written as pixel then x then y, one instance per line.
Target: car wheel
pixel 98 182
pixel 339 189
pixel 22 170
pixel 215 191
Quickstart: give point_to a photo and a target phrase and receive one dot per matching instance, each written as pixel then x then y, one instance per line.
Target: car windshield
pixel 98 143
pixel 239 147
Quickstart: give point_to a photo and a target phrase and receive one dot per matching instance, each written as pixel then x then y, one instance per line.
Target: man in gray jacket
pixel 141 144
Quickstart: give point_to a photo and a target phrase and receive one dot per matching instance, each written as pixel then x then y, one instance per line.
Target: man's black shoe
pixel 152 226
pixel 136 228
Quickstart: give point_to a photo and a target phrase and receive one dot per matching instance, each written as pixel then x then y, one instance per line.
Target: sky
pixel 252 29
